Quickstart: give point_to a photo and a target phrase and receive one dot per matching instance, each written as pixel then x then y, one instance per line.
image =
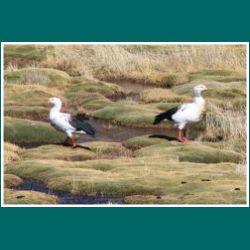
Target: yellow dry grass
pixel 230 123
pixel 147 64
pixel 11 152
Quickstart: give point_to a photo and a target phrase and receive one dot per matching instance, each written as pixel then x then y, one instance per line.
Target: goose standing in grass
pixel 66 123
pixel 185 113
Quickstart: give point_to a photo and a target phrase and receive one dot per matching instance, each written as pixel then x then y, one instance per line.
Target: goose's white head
pixel 198 89
pixel 55 101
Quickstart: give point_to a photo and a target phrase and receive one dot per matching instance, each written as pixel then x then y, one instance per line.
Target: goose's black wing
pixel 79 122
pixel 167 115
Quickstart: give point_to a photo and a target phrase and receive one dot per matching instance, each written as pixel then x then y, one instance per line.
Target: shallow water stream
pixel 108 131
pixel 68 198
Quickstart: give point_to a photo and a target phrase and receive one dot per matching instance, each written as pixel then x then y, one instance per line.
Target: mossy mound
pixel 225 93
pixel 11 180
pixel 92 95
pixel 28 95
pixel 105 149
pixel 170 80
pixel 104 88
pixel 126 113
pixel 141 141
pixel 28 101
pixel 27 112
pixel 27 197
pixel 217 75
pixel 162 95
pixel 22 55
pixel 213 87
pixel 55 152
pixel 138 176
pixel 192 152
pixel 22 131
pixel 89 101
pixel 38 76
pixel 166 105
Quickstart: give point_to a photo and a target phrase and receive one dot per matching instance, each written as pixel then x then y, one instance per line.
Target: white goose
pixel 66 123
pixel 185 113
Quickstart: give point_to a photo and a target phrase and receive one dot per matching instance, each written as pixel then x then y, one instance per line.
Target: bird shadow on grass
pixel 166 137
pixel 77 146
pixel 84 147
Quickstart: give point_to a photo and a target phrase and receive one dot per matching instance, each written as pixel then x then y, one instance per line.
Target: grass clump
pixel 105 149
pixel 11 152
pixel 55 152
pixel 162 95
pixel 22 131
pixel 193 152
pixel 38 76
pixel 103 88
pixel 230 123
pixel 28 95
pixel 22 55
pixel 217 75
pixel 225 93
pixel 169 80
pixel 126 113
pixel 27 112
pixel 212 86
pixel 28 101
pixel 11 180
pixel 87 101
pixel 141 141
pixel 27 197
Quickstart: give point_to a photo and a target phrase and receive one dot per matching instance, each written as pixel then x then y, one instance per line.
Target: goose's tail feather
pixel 85 127
pixel 159 118
pixel 167 115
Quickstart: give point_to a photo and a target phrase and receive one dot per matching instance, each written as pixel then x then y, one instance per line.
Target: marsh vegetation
pixel 121 88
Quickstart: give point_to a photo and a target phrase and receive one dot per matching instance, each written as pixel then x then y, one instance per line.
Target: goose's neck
pixel 56 108
pixel 199 100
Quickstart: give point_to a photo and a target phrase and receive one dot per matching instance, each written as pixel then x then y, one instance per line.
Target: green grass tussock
pixel 11 180
pixel 22 131
pixel 162 95
pixel 27 197
pixel 28 101
pixel 192 152
pixel 105 149
pixel 127 114
pixel 55 152
pixel 103 88
pixel 38 76
pixel 141 141
pixel 22 55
